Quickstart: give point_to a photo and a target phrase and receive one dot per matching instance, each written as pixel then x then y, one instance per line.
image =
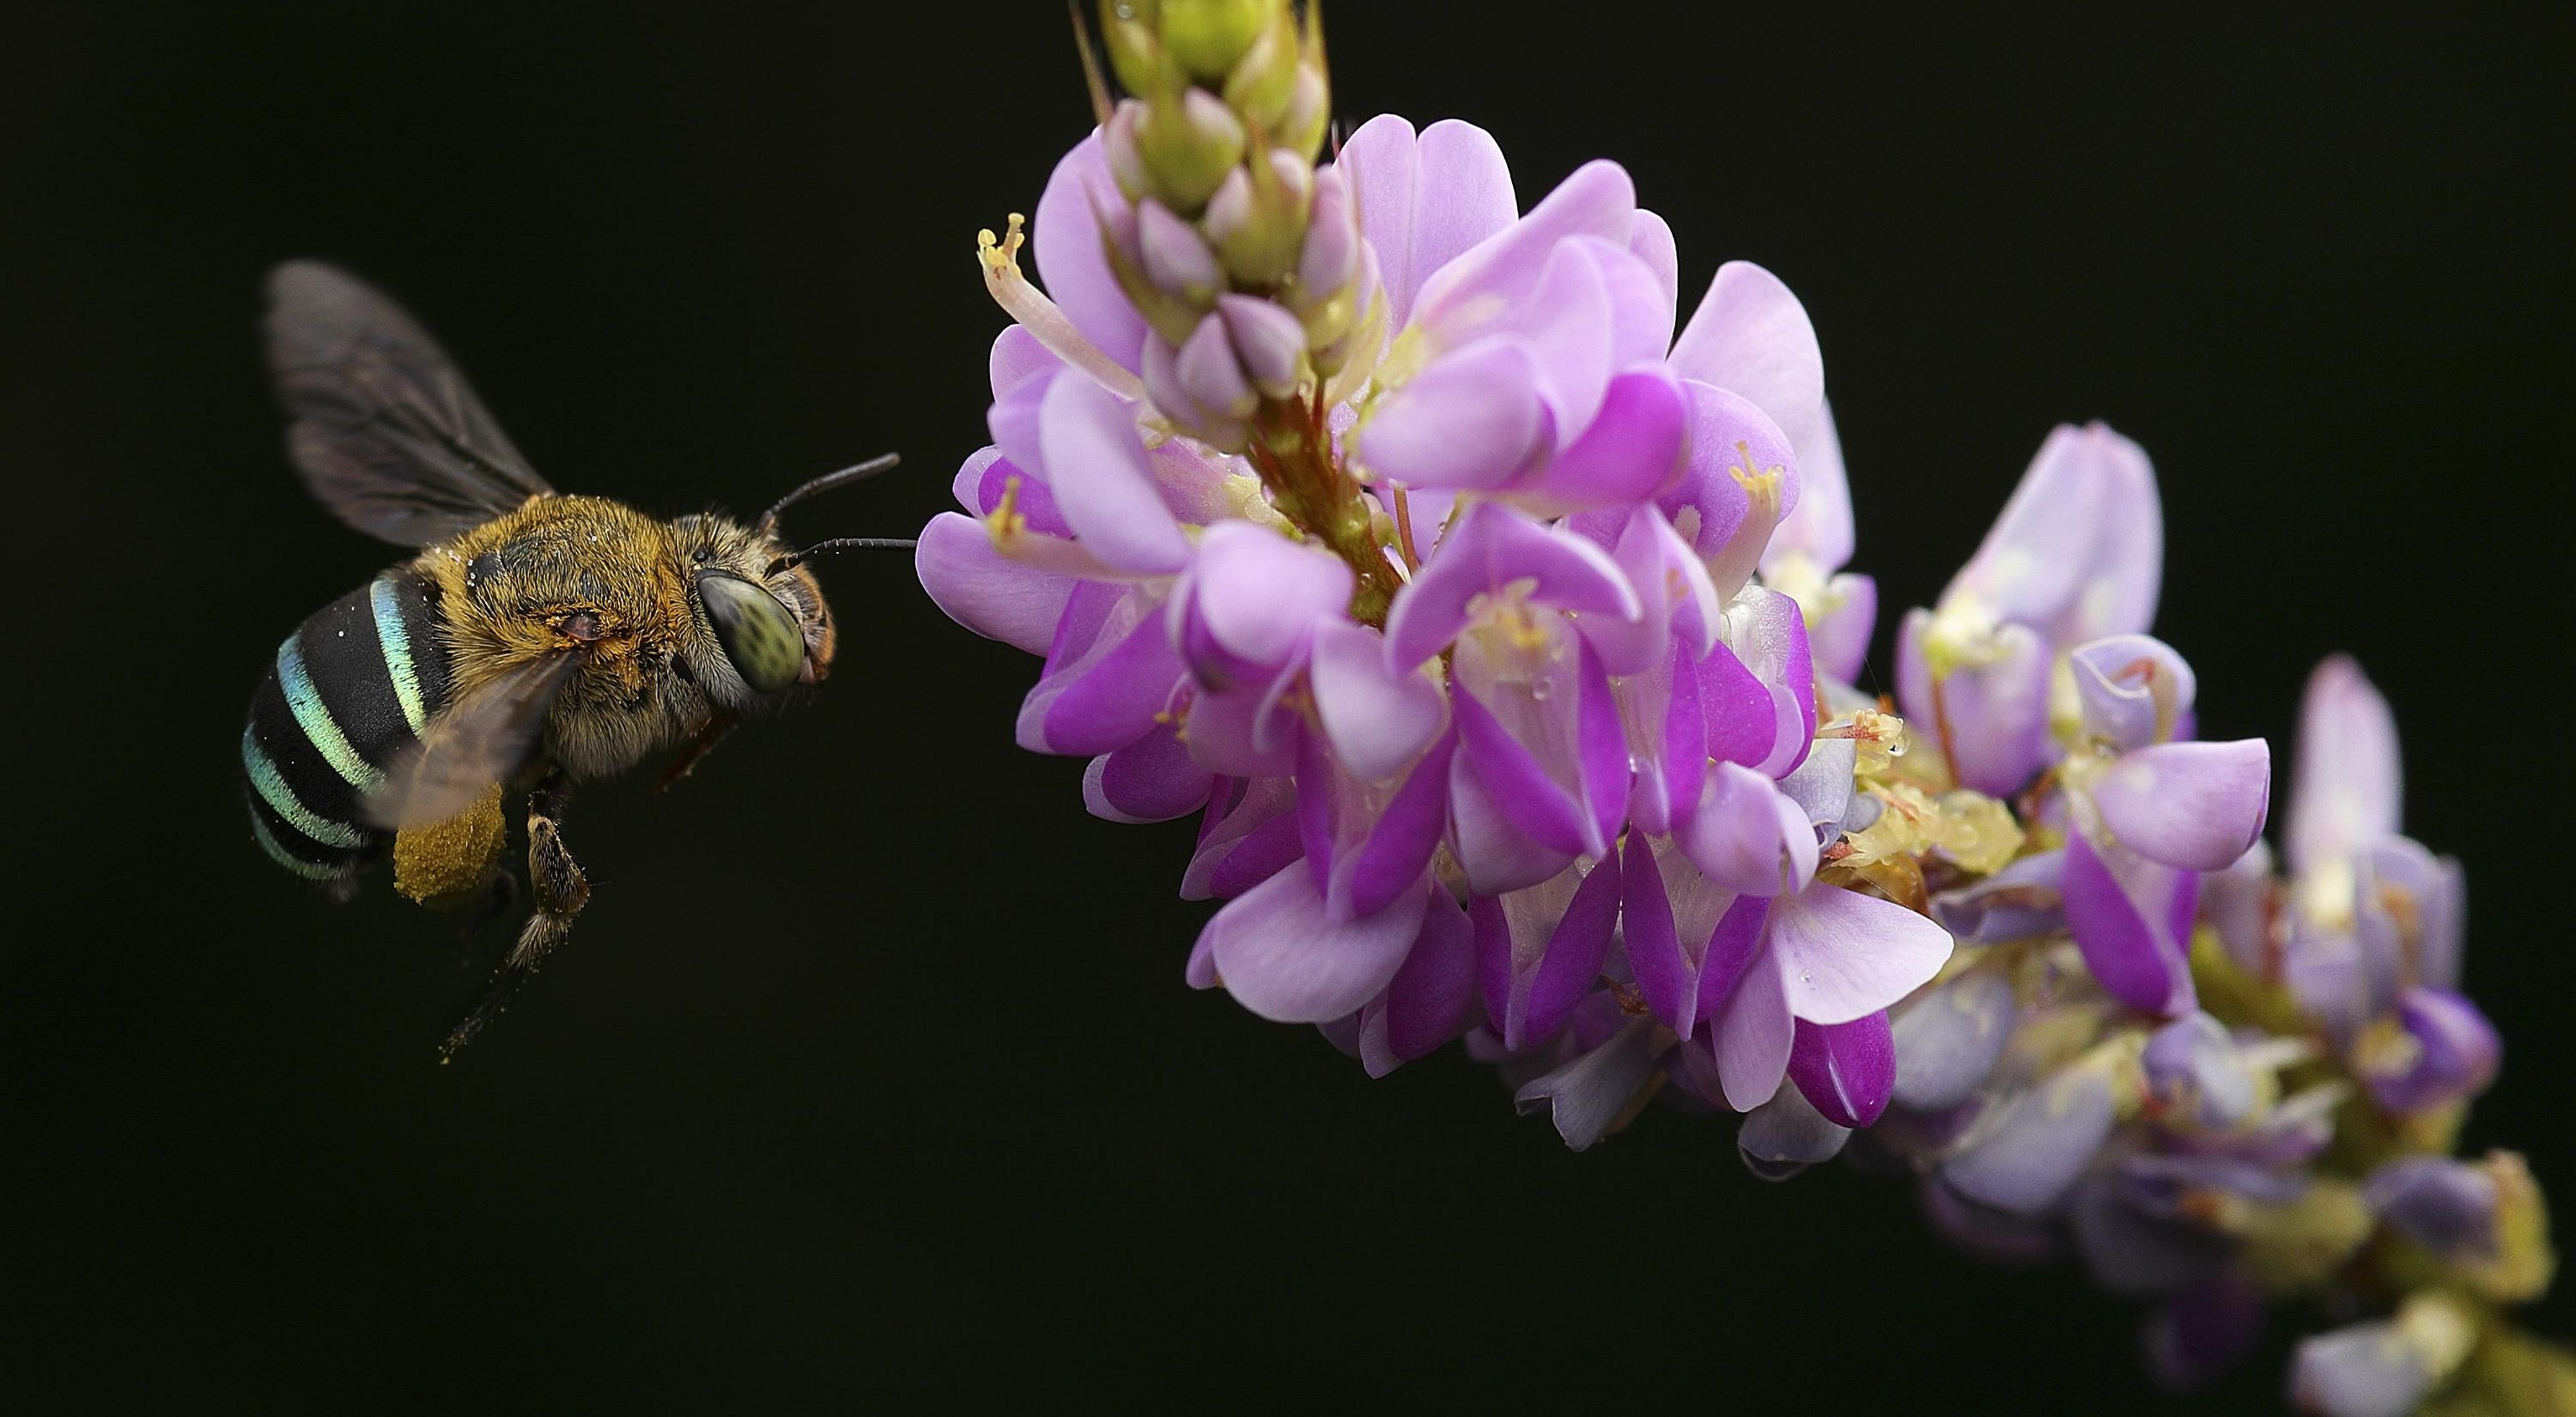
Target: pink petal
pixel 2078 551
pixel 1501 271
pixel 985 591
pixel 1097 467
pixel 2124 911
pixel 1379 719
pixel 1753 1033
pixel 1149 780
pixel 1425 1005
pixel 1819 527
pixel 1425 200
pixel 2348 788
pixel 1065 251
pixel 1491 847
pixel 2197 806
pixel 1281 957
pixel 1475 418
pixel 1489 548
pixel 1846 1071
pixel 1747 835
pixel 1750 336
pixel 1844 955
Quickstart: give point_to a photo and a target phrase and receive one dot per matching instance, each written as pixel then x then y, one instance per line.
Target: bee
pixel 537 640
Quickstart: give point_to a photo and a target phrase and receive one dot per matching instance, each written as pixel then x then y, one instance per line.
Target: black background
pixel 870 1075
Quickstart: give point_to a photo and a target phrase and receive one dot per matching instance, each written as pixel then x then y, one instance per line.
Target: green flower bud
pixel 1188 145
pixel 1208 37
pixel 1264 82
pixel 1136 54
pixel 1257 219
pixel 1309 111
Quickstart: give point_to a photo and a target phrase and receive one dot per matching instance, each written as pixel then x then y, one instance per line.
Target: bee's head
pixel 759 622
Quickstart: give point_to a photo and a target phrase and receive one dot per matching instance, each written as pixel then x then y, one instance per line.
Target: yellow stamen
pixel 1025 303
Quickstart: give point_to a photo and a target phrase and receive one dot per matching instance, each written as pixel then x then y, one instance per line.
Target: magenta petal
pixel 2197 806
pixel 1734 945
pixel 1844 955
pixel 1378 719
pixel 1496 854
pixel 1568 323
pixel 1150 780
pixel 1752 337
pixel 1664 973
pixel 1847 1070
pixel 1992 718
pixel 1575 952
pixel 1282 957
pixel 985 591
pixel 1490 548
pixel 1065 250
pixel 1752 1034
pixel 1630 453
pixel 1728 432
pixel 2120 907
pixel 1097 467
pixel 1398 848
pixel 1516 782
pixel 1602 744
pixel 1106 703
pixel 1425 1005
pixel 1768 633
pixel 1265 851
pixel 1672 586
pixel 1474 418
pixel 1249 832
pixel 1685 745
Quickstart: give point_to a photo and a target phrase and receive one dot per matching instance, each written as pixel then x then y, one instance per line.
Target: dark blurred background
pixel 870 1076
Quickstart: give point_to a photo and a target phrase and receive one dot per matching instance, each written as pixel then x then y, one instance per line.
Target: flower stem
pixel 1294 455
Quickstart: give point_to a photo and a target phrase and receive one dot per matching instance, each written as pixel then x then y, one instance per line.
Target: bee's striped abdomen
pixel 350 688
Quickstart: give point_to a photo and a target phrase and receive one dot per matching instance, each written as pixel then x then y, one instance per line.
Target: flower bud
pixel 1269 342
pixel 1208 37
pixel 1174 257
pixel 1258 218
pixel 1118 143
pixel 2383 1369
pixel 1136 53
pixel 1263 83
pixel 1310 109
pixel 1188 144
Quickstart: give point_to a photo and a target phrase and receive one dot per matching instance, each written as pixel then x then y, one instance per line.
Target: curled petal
pixel 1749 836
pixel 2195 806
pixel 1489 549
pixel 1065 248
pixel 1424 200
pixel 1254 598
pixel 1819 527
pixel 1097 467
pixel 1990 717
pixel 2078 551
pixel 2016 903
pixel 1631 452
pixel 1504 269
pixel 1538 951
pixel 2134 688
pixel 1752 1034
pixel 1842 630
pixel 2195 1076
pixel 1378 719
pixel 1588 1097
pixel 1846 1070
pixel 1150 780
pixel 1786 1135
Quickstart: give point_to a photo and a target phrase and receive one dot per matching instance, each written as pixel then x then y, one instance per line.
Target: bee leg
pixel 709 734
pixel 562 889
pixel 500 896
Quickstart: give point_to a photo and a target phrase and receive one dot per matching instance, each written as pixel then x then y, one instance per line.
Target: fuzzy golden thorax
pixel 564 575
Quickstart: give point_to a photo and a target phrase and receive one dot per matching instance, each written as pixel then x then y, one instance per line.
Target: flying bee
pixel 536 641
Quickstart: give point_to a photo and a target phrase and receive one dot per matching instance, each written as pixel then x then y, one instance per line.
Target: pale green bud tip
pixel 1186 144
pixel 1207 38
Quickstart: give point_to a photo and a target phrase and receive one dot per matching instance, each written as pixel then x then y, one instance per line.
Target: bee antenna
pixel 856 473
pixel 840 543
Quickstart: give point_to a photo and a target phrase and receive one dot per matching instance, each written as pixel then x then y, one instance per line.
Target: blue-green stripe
pixel 288 859
pixel 272 789
pixel 396 640
pixel 316 720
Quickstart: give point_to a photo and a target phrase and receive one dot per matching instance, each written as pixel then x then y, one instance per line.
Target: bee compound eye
pixel 762 639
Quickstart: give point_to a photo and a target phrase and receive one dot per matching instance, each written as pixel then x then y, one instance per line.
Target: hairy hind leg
pixel 561 889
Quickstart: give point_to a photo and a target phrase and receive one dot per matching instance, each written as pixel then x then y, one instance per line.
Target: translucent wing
pixel 385 431
pixel 484 738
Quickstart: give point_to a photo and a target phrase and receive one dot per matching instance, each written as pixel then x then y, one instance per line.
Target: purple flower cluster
pixel 1492 618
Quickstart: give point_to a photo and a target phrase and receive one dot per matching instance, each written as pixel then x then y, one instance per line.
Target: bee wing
pixel 482 739
pixel 387 434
